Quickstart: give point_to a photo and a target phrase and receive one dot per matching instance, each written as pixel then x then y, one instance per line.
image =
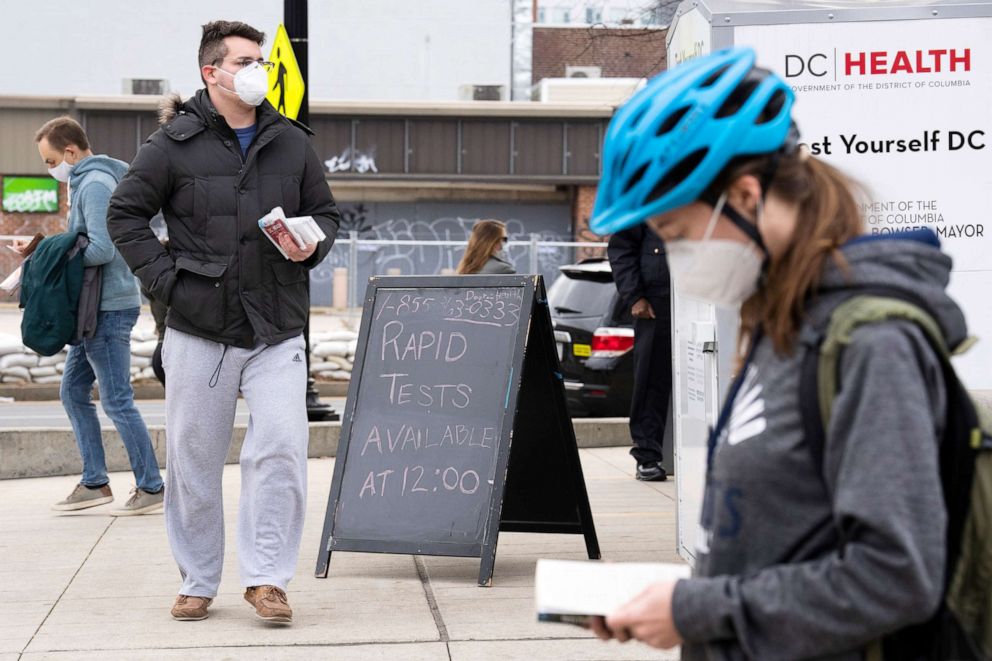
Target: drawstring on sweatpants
pixel 216 375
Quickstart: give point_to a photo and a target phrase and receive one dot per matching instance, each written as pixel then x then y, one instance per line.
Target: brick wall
pixel 582 203
pixel 621 52
pixel 27 224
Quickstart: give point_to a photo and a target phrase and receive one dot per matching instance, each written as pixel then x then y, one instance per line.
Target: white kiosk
pixel 897 94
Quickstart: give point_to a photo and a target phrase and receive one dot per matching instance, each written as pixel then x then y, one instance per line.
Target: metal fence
pixel 341 277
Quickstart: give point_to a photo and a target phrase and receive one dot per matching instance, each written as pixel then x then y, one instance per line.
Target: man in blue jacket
pixel 105 357
pixel 637 257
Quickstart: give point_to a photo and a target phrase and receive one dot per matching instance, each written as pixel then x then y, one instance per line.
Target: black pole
pixel 295 20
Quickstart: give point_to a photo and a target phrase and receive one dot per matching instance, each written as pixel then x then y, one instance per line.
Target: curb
pixel 43 392
pixel 50 452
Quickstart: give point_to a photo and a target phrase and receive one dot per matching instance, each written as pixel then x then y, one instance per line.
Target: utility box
pixel 898 96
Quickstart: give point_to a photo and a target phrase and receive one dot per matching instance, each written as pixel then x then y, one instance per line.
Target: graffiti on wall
pixel 352 160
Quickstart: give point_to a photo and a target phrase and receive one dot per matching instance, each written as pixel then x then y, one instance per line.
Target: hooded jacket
pixel 221 277
pixel 91 183
pixel 772 580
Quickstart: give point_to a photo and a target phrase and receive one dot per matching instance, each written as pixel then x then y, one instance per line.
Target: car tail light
pixel 612 342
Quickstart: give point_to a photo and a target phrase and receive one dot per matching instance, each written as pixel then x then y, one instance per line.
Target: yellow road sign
pixel 285 80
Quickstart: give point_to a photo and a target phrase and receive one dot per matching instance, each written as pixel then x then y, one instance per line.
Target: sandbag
pixel 17 371
pixel 144 349
pixel 335 375
pixel 339 363
pixel 10 344
pixel 19 360
pixel 45 361
pixel 330 349
pixel 143 333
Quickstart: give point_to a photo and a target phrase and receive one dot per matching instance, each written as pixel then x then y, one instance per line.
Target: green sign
pixel 30 195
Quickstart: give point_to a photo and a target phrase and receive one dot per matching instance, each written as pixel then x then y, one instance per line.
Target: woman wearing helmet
pixel 797 556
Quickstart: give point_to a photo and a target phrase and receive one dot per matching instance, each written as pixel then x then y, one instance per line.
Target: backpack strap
pixel 848 317
pixel 810 408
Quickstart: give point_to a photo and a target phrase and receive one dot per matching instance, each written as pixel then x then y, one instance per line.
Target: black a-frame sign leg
pixel 545 489
pixel 488 562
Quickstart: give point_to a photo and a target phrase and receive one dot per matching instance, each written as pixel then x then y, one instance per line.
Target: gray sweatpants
pixel 202 385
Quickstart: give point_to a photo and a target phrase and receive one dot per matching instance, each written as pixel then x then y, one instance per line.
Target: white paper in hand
pixel 572 590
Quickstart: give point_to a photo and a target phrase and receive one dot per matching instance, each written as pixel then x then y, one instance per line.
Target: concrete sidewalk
pixel 88 586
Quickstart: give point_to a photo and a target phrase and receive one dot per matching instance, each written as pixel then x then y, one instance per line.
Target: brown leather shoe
pixel 189 608
pixel 270 603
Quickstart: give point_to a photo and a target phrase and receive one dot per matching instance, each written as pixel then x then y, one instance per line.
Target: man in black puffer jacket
pixel 237 307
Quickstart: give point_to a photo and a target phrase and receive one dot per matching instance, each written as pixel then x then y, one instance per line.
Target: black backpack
pixel 962 626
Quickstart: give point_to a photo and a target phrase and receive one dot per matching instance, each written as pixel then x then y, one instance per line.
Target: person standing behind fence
pixel 486 250
pixel 105 357
pixel 220 161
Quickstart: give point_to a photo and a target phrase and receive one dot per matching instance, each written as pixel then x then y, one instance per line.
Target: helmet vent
pixel 671 121
pixel 713 77
pixel 635 178
pixel 636 118
pixel 738 97
pixel 677 174
pixel 773 108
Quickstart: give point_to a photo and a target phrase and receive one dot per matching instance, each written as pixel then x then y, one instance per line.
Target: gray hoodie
pixel 772 580
pixel 91 182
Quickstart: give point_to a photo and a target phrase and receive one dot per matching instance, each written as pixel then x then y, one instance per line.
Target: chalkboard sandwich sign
pixel 455 426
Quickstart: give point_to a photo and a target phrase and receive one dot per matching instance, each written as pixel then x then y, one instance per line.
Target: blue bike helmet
pixel 669 142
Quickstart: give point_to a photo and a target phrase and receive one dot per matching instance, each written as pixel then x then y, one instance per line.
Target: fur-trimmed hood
pixel 169 107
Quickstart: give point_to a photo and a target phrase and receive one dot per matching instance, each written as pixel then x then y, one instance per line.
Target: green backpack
pixel 51 282
pixel 962 626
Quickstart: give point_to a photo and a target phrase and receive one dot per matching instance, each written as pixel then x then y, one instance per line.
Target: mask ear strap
pixel 744 225
pixel 737 218
pixel 226 89
pixel 714 217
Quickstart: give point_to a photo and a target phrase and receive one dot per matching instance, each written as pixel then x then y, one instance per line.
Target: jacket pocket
pixel 199 293
pixel 293 297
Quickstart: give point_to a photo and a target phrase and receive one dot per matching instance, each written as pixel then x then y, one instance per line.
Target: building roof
pixel 770 12
pixel 317 106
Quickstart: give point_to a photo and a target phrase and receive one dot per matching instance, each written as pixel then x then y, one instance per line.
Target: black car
pixel 595 337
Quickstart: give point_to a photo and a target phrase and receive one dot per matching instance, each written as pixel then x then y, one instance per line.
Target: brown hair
pixel 486 237
pixel 212 47
pixel 828 217
pixel 62 132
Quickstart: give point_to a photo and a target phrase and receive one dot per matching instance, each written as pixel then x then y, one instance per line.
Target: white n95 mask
pixel 718 271
pixel 251 83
